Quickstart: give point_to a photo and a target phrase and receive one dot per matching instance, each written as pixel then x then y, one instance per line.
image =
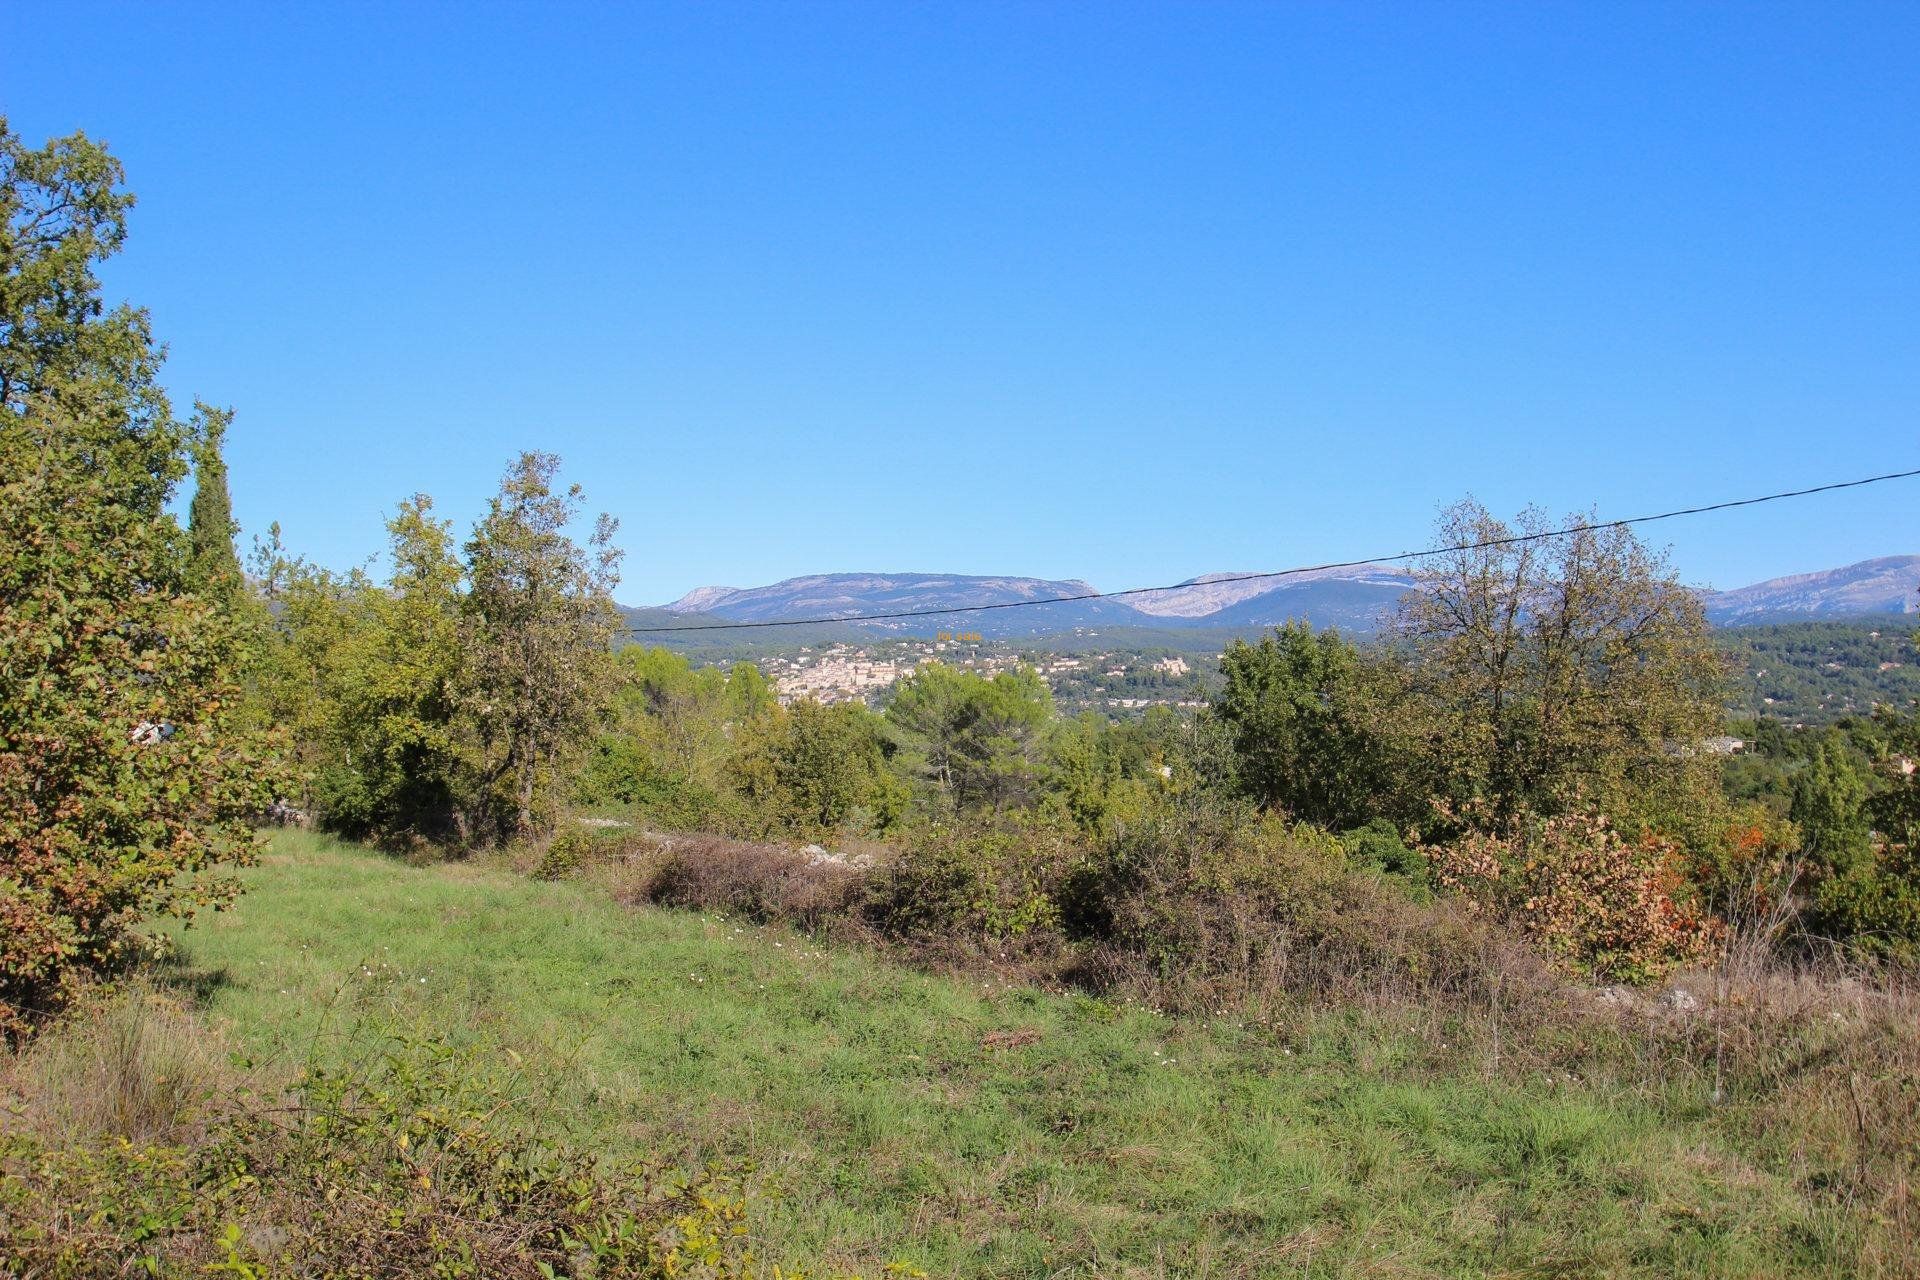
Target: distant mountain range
pixel 1355 600
pixel 1886 585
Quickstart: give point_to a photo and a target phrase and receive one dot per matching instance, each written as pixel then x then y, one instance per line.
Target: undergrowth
pixel 131 1152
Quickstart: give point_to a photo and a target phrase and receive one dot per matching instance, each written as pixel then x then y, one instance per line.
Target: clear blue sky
pixel 1127 293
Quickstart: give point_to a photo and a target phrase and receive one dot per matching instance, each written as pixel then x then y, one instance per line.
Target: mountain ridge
pixel 1356 599
pixel 1885 584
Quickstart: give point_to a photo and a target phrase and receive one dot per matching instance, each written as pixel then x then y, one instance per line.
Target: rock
pixel 1679 1000
pixel 282 814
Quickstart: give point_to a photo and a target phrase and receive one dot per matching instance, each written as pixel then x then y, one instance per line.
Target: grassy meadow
pixel 977 1128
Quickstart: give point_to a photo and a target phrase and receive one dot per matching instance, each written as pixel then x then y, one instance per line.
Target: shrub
pixel 816 769
pixel 1875 906
pixel 1206 902
pixel 1605 905
pixel 674 803
pixel 1378 847
pixel 760 881
pixel 566 853
pixel 984 884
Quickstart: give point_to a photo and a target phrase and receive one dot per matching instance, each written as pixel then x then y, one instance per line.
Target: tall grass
pixel 138 1066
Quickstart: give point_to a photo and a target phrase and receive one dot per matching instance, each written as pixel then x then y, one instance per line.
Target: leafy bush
pixel 1603 904
pixel 1303 711
pixel 566 853
pixel 996 883
pixel 815 769
pixel 1378 847
pixel 1875 906
pixel 612 772
pixel 1205 901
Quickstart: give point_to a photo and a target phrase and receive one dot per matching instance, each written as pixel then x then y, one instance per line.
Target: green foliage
pixel 370 679
pixel 815 769
pixel 1303 709
pixel 1876 907
pixel 615 772
pixel 975 739
pixel 1862 830
pixel 540 621
pixel 450 704
pixel 680 717
pixel 1834 805
pixel 1830 808
pixel 1551 674
pixel 1097 772
pixel 397 734
pixel 1818 672
pixel 1205 903
pixel 1380 847
pixel 677 742
pixel 749 696
pixel 126 776
pixel 63 211
pixel 981 884
pixel 213 567
pixel 566 854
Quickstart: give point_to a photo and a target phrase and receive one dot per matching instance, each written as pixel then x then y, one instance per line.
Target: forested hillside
pixel 1818 672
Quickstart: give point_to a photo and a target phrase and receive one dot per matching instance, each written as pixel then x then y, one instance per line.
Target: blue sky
pixel 1127 293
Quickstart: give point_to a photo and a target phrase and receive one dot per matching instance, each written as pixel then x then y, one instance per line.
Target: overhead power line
pixel 1285 573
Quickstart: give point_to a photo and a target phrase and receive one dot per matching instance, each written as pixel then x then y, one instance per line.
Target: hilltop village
pixel 1118 682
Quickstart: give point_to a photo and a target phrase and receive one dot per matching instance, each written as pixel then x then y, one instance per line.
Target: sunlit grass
pixel 883 1126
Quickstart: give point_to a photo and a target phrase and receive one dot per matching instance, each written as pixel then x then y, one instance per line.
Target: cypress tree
pixel 212 564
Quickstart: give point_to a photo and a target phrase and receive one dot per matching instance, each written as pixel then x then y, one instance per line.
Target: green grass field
pixel 886 1120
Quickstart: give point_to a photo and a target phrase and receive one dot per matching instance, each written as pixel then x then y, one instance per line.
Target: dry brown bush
pixel 762 882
